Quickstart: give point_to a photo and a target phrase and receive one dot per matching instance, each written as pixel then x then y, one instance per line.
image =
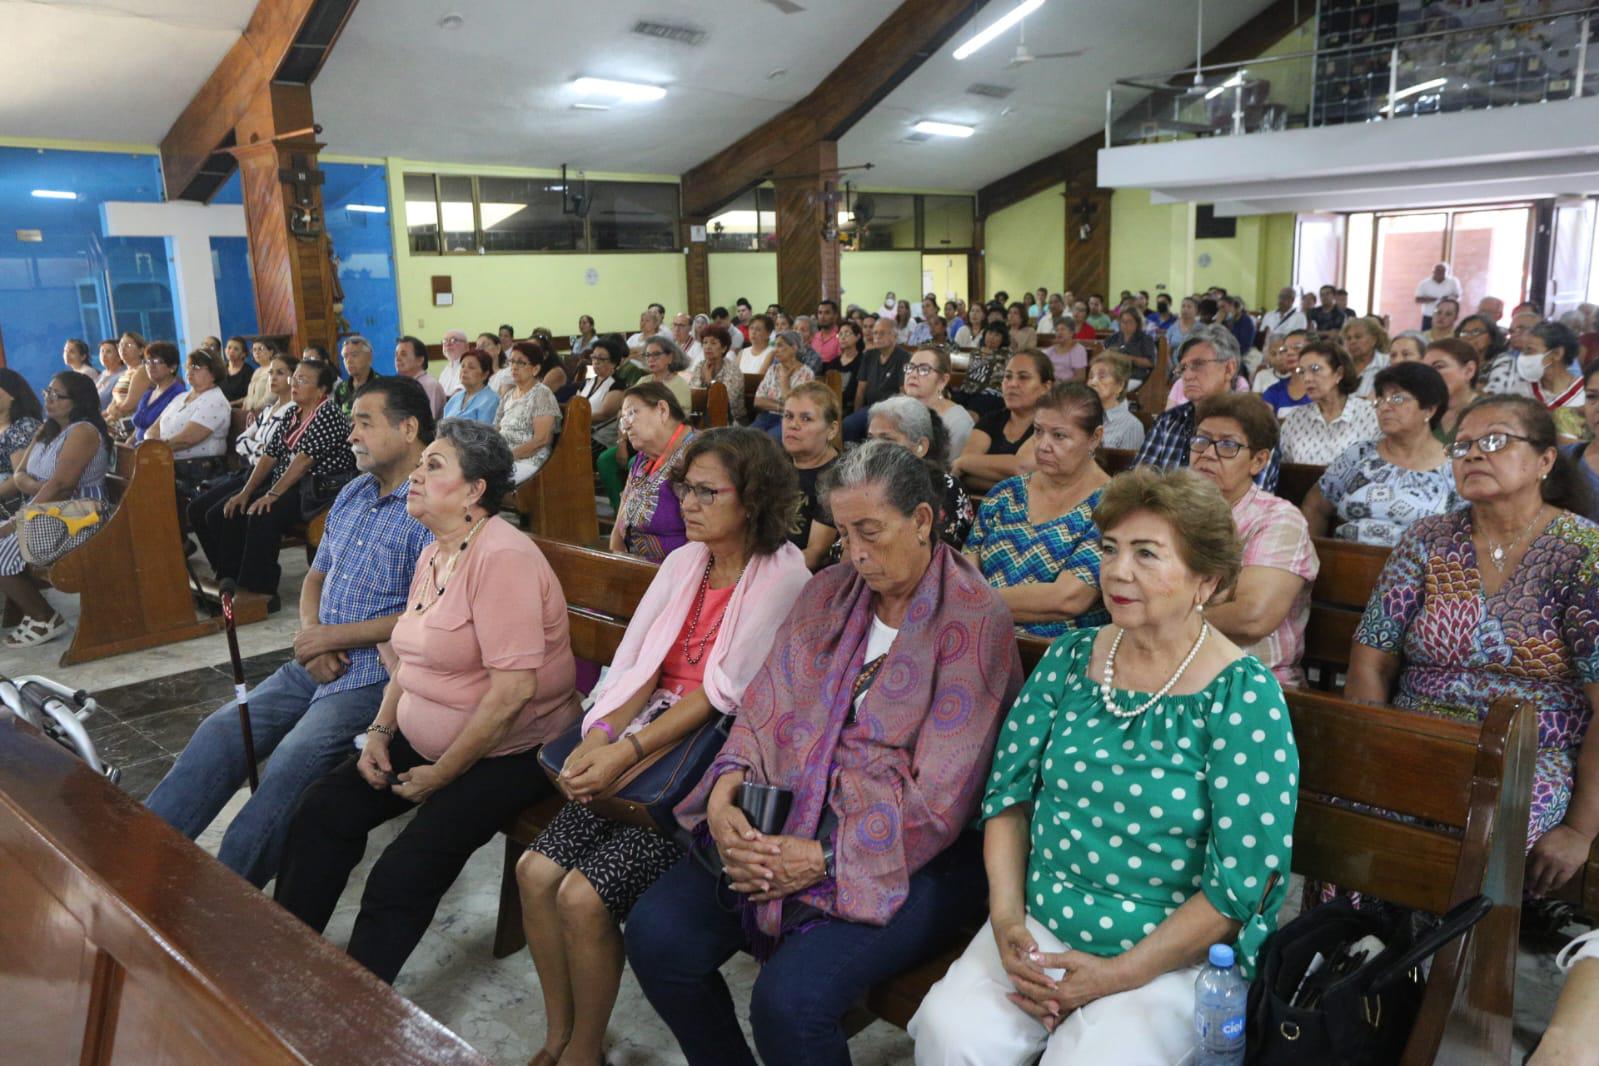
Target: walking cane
pixel 226 589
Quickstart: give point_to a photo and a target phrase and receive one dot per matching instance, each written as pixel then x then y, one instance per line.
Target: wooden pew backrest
pixel 711 406
pixel 558 501
pixel 602 592
pixel 122 942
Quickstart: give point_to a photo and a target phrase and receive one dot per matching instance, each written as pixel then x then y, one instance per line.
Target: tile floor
pixel 151 703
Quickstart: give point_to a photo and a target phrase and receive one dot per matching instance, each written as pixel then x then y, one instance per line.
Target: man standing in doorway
pixel 1435 287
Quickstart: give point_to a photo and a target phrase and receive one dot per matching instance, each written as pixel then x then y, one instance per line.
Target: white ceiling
pixel 109 72
pixel 1056 102
pixel 496 89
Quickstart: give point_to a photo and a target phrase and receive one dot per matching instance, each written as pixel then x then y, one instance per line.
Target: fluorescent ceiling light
pixel 367 209
pixel 591 107
pixel 1419 87
pixel 1236 80
pixel 54 194
pixel 628 91
pixel 943 129
pixel 998 26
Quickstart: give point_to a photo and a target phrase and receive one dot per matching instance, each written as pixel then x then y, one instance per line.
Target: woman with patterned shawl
pixel 877 709
pixel 649 522
pixel 1501 598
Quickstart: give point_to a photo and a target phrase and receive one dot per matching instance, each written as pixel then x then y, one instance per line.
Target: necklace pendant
pixel 1498 554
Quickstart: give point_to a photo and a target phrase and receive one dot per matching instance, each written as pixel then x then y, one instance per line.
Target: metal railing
pixel 1509 63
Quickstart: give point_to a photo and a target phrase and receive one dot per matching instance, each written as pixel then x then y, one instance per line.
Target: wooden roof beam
pixel 915 31
pixel 1077 164
pixel 284 40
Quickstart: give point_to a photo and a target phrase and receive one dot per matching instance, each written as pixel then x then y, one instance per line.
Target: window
pixel 947 222
pixel 632 216
pixel 421 213
pixel 457 211
pixel 524 215
pixel 737 228
pixel 879 222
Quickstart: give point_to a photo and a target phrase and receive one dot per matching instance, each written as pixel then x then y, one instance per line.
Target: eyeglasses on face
pixel 704 495
pixel 1475 331
pixel 1394 399
pixel 920 370
pixel 1194 366
pixel 1488 443
pixel 1227 449
pixel 52 393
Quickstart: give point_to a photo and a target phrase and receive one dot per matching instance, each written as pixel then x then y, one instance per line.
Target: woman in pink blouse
pixel 481 674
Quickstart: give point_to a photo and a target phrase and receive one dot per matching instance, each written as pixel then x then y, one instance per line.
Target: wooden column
pixel 292 273
pixel 976 267
pixel 697 266
pixel 1087 258
pixel 807 259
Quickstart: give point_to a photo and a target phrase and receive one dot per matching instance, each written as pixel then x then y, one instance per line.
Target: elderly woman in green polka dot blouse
pixel 1142 797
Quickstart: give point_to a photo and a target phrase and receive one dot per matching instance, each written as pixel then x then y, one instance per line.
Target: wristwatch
pixel 828 863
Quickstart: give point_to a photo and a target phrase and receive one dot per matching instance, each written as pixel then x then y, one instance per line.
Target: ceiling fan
pixel 1023 56
pixel 787 7
pixel 1199 88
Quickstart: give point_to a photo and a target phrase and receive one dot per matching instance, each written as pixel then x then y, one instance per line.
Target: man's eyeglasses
pixel 704 495
pixel 1194 366
pixel 1227 449
pixel 1488 443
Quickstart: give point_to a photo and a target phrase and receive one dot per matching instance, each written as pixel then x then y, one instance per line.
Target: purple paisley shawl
pixel 905 776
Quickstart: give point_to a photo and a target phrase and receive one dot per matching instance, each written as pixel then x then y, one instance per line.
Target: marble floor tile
pixel 171 730
pixel 139 779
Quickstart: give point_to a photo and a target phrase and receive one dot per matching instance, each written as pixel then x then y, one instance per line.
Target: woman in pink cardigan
pixel 876 711
pixel 701 632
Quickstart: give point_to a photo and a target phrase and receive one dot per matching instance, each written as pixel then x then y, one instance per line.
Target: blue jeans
pixel 856 424
pixel 306 738
pixel 769 423
pixel 687 925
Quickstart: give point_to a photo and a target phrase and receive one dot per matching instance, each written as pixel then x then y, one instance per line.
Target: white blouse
pixel 1309 438
pixel 210 409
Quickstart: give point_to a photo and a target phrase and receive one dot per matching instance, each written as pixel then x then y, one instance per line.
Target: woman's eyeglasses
pixel 1488 443
pixel 920 370
pixel 1393 399
pixel 704 495
pixel 52 394
pixel 1227 449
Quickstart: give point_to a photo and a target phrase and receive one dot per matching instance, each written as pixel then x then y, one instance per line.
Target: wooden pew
pixel 711 407
pixel 123 943
pixel 130 577
pixel 558 501
pixel 602 591
pixel 1295 480
pixel 1338 598
pixel 751 383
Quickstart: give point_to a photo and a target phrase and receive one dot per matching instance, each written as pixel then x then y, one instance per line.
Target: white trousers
pixel 965 1019
pixel 523 469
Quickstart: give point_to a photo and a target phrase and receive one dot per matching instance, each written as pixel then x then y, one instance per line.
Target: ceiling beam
pixel 907 38
pixel 285 40
pixel 1076 164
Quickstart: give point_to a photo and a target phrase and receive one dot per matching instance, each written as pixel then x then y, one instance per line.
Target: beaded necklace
pixel 693 657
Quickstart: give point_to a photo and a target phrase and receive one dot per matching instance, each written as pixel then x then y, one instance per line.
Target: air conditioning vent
pixel 665 31
pixel 916 138
pixel 995 92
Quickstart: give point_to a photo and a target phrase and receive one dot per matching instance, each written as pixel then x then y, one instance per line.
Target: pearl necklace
pixel 1109 681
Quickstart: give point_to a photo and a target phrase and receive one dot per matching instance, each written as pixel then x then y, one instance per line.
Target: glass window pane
pixel 524 215
pixel 736 228
pixel 421 213
pixel 947 221
pixel 455 201
pixel 633 216
pixel 878 221
pixel 1488 253
pixel 1407 248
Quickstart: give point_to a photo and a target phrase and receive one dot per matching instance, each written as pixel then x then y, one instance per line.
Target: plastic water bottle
pixel 1220 995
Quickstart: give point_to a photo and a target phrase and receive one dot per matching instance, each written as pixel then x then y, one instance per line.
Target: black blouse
pixel 998 443
pixel 326 440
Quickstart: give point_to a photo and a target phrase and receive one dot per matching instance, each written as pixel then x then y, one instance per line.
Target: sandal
pixel 32 632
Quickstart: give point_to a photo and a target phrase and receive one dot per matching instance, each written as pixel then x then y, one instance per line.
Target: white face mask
pixel 1530 367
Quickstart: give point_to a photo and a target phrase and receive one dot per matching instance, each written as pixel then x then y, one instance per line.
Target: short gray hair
pixel 355 340
pixel 904 479
pixel 1221 341
pixel 675 358
pixel 807 319
pixel 792 338
pixel 911 415
pixel 483 456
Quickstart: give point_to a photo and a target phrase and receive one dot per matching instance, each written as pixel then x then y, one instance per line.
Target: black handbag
pixel 1363 1018
pixel 647 792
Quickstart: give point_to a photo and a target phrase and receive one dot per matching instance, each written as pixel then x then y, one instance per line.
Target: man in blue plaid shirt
pixel 1208 362
pixel 307 714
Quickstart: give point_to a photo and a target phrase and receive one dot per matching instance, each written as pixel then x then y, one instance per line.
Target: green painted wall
pixel 752 275
pixel 1025 244
pixel 1153 245
pixel 866 276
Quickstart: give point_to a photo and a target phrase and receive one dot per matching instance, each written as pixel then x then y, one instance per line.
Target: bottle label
pixel 1233 1027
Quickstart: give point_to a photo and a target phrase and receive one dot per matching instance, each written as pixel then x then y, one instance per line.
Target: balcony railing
pixel 1503 64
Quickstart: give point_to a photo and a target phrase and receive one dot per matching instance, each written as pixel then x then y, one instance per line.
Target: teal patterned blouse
pixel 1132 816
pixel 1011 551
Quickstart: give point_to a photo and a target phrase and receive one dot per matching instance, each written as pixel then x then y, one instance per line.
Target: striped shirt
pixel 368 555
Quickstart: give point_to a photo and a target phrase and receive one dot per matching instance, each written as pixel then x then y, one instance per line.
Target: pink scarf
pixel 905 776
pixel 760 601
